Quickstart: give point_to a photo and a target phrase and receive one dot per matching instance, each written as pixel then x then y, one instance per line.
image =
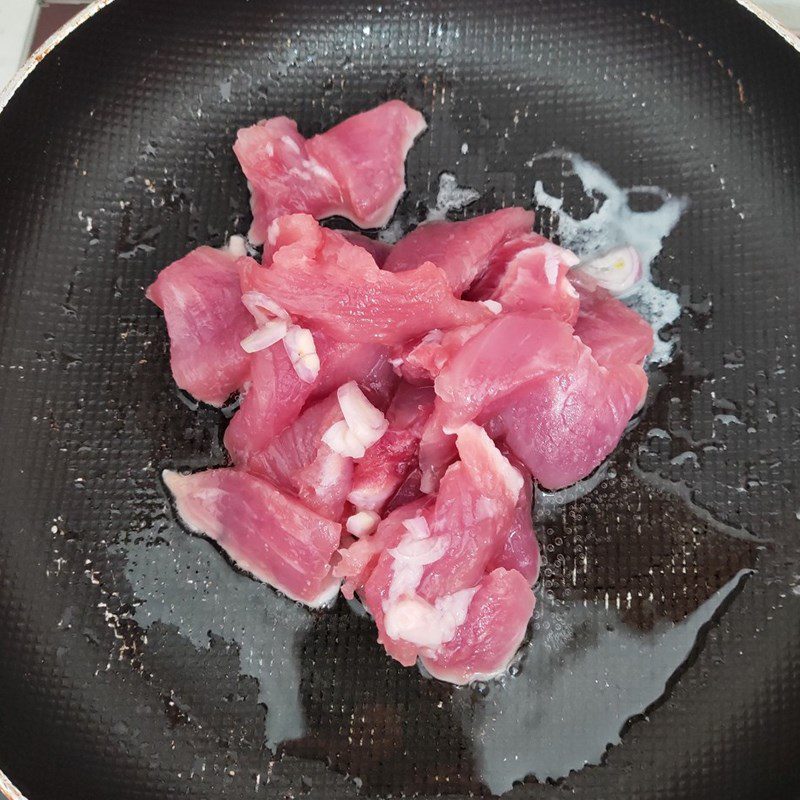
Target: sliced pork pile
pixel 396 404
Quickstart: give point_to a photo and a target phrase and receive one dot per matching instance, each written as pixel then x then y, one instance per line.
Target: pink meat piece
pixel 321 278
pixel 265 531
pixel 282 176
pixel 487 283
pixel 276 395
pixel 367 154
pixel 298 461
pixel 510 351
pixel 408 491
pixel 359 558
pixel 558 410
pixel 563 426
pixel 437 449
pixel 463 250
pixel 475 506
pixel 420 362
pixel 415 369
pixel 274 399
pixel 355 170
pixel 386 464
pixel 200 297
pixel 363 362
pixel 533 278
pixel 521 549
pixel 420 590
pixel 612 331
pixel 410 407
pixel 375 247
pixel 495 625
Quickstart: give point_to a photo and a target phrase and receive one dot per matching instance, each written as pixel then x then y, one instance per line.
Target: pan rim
pixel 8 91
pixel 8 789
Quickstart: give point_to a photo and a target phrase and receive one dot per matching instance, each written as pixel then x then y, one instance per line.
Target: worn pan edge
pixel 45 49
pixel 7 787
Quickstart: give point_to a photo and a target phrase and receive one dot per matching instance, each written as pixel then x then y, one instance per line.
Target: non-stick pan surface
pixel 135 663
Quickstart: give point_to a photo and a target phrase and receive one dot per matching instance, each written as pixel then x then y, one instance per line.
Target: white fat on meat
pixel 326 597
pixel 272 232
pixel 362 426
pixel 408 616
pixel 474 436
pixel 302 352
pixel 418 622
pixel 291 144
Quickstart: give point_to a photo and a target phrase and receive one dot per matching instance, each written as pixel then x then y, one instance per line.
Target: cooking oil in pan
pixel 595 659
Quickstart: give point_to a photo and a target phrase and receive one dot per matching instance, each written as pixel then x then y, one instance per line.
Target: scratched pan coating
pixel 115 159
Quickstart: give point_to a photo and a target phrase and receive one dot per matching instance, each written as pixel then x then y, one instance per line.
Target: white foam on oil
pixel 451 197
pixel 613 223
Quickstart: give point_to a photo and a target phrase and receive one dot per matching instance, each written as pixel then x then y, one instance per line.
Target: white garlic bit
pixel 362 523
pixel 302 352
pixel 492 305
pixel 237 246
pixel 408 616
pixel 265 336
pixel 617 270
pixel 362 426
pixel 363 419
pixel 341 440
pixel 263 308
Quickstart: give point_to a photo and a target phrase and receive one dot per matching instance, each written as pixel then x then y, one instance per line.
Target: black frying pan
pixel 135 663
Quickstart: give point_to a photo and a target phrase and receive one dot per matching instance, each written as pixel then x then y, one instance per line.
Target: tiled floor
pixel 25 24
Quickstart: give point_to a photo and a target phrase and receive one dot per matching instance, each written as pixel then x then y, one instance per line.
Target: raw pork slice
pixel 510 351
pixel 321 277
pixel 521 549
pixel 475 507
pixel 437 448
pixel 559 411
pixel 276 395
pixel 420 362
pixel 483 287
pixel 375 247
pixel 421 588
pixel 358 559
pixel 266 532
pixel 496 621
pixel 298 461
pixel 201 301
pixel 530 274
pixel 408 491
pixel 463 250
pixel 612 331
pixel 272 401
pixel 563 426
pixel 355 170
pixel 367 154
pixel 387 463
